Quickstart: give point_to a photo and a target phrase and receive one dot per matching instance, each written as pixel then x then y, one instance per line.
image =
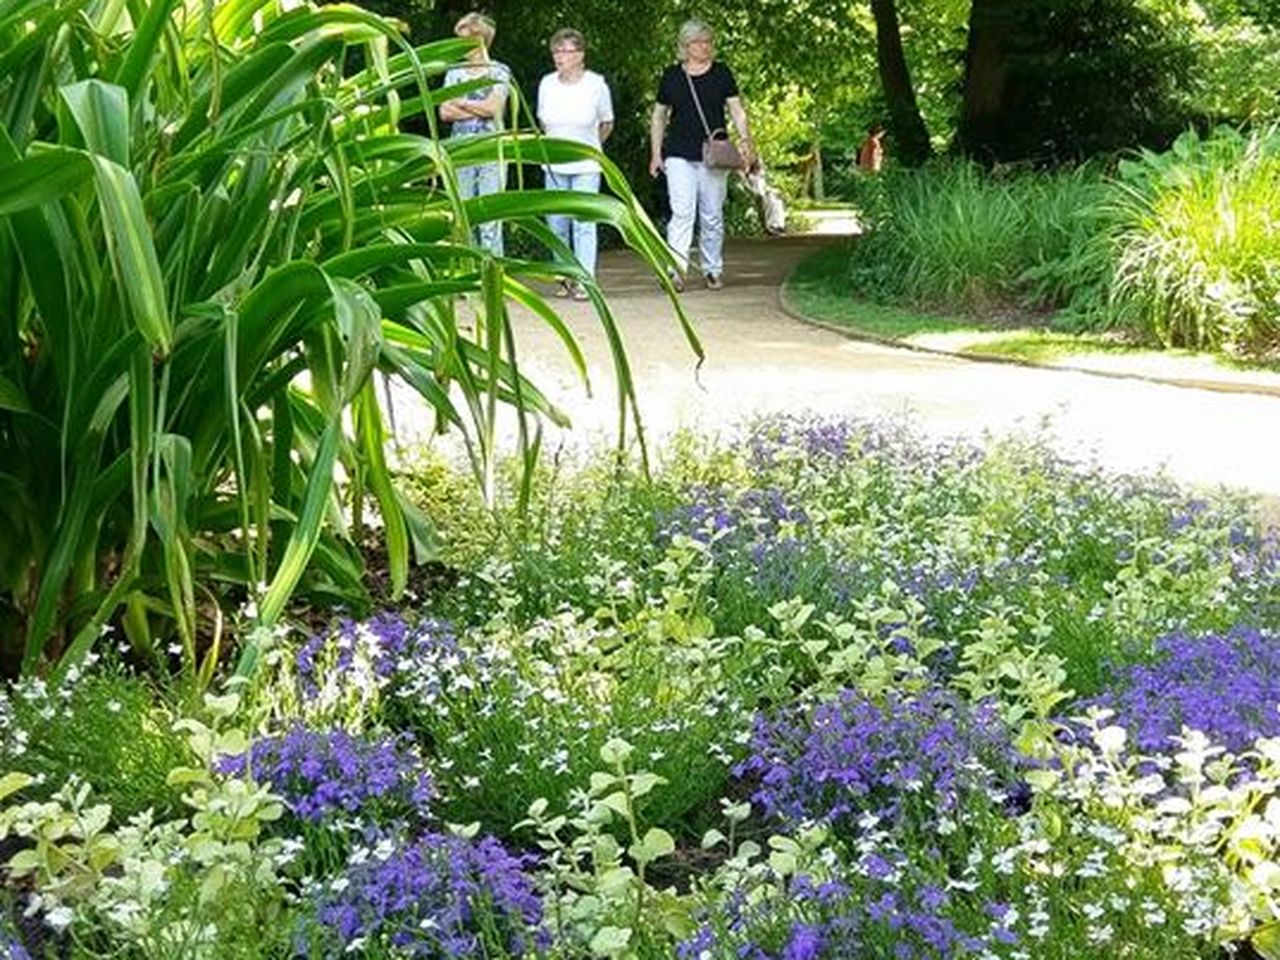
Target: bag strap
pixel 697 103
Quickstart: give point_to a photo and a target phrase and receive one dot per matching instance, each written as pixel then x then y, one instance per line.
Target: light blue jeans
pixel 696 191
pixel 580 235
pixel 480 181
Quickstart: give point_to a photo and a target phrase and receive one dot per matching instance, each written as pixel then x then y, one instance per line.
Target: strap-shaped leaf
pixel 372 440
pixel 41 177
pixel 306 532
pixel 144 46
pixel 12 398
pixel 133 254
pixel 101 111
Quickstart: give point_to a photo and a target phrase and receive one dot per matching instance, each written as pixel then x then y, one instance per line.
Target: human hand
pixel 655 166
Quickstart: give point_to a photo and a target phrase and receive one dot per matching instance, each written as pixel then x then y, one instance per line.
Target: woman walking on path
pixel 478 112
pixel 574 104
pixel 693 97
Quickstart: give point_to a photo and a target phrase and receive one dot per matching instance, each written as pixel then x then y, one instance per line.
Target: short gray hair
pixel 690 31
pixel 476 25
pixel 570 35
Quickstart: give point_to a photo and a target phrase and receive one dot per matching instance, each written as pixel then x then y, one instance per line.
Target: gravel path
pixel 758 359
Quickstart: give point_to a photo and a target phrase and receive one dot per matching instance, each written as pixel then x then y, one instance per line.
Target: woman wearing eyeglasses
pixel 574 104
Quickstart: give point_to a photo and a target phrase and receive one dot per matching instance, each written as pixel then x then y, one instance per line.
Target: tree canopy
pixel 1000 80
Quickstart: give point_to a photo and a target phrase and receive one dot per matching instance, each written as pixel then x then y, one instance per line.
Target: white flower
pixel 1111 740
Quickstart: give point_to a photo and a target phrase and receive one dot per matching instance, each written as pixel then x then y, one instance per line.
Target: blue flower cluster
pixel 831 920
pixel 852 756
pixel 387 638
pixel 439 897
pixel 712 512
pixel 335 772
pixel 1227 687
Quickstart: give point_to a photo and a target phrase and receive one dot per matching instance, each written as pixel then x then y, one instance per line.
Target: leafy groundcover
pixel 831 689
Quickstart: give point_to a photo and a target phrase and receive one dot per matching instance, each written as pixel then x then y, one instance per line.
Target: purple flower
pixel 1227 687
pixel 898 760
pixel 806 943
pixel 388 639
pixel 439 897
pixel 319 774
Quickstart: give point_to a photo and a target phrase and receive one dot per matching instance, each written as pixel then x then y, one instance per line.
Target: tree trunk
pixel 985 109
pixel 911 139
pixel 819 180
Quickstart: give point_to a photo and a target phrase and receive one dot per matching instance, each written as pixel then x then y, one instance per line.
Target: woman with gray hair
pixel 693 98
pixel 478 112
pixel 574 104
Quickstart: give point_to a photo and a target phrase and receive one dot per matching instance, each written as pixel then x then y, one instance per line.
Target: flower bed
pixel 833 690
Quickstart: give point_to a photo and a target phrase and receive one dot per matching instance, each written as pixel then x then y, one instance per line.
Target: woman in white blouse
pixel 574 104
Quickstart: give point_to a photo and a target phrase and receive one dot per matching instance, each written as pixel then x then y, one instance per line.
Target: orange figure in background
pixel 871 153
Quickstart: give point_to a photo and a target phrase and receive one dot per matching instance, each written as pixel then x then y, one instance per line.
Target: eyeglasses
pixel 567 50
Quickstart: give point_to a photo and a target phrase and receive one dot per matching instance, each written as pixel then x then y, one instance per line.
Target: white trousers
pixel 696 192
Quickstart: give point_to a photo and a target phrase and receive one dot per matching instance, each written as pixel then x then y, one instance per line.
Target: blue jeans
pixel 480 181
pixel 578 234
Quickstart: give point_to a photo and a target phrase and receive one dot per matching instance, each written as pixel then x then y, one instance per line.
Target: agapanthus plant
pixel 439 897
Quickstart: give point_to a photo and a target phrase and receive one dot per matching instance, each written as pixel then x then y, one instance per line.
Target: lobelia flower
pixel 386 641
pixel 1227 687
pixel 438 897
pixel 852 756
pixel 336 772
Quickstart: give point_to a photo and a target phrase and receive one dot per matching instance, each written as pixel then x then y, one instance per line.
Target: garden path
pixel 759 359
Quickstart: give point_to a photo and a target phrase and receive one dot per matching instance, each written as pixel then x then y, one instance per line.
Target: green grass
pixel 1042 346
pixel 819 289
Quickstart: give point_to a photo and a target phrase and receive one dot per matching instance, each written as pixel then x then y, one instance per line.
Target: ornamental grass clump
pixel 1196 244
pixel 439 897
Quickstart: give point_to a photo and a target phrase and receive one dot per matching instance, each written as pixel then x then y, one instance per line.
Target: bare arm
pixel 490 106
pixel 738 113
pixel 657 127
pixel 606 128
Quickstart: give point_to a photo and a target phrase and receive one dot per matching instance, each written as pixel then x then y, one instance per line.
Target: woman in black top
pixel 676 133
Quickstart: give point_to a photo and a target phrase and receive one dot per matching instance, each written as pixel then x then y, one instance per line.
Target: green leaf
pixel 1266 941
pixel 144 46
pixel 133 253
pixel 306 533
pixel 13 781
pixel 610 941
pixel 42 177
pixel 655 844
pixel 101 111
pixel 12 398
pixel 643 783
